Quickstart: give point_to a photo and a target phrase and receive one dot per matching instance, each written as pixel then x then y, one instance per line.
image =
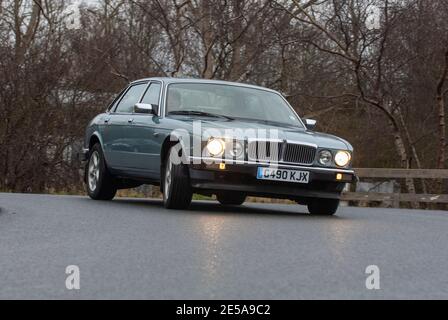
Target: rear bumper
pixel 242 177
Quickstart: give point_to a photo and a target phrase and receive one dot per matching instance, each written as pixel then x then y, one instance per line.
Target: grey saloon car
pixel 211 137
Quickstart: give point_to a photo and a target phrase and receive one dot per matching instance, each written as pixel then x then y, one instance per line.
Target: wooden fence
pixel 396 198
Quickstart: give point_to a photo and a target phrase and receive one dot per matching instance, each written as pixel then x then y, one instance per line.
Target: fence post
pixel 396 201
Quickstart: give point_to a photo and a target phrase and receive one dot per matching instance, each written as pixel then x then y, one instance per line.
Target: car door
pixel 147 143
pixel 118 136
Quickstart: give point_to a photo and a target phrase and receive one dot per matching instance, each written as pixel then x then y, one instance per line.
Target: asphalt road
pixel 136 249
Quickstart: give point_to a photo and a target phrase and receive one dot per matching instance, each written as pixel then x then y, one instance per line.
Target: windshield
pixel 229 101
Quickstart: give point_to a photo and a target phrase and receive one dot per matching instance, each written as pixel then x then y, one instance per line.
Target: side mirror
pixel 310 124
pixel 144 108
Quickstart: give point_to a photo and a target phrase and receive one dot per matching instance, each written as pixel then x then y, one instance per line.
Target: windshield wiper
pixel 199 113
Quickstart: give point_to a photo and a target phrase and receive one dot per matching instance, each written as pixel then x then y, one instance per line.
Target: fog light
pixel 339 176
pixel 222 166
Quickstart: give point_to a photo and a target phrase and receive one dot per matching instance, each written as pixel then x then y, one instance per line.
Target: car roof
pixel 169 80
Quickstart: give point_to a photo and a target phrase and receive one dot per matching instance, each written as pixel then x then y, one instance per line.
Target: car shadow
pixel 213 207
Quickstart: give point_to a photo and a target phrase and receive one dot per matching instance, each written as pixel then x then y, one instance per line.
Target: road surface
pixel 134 248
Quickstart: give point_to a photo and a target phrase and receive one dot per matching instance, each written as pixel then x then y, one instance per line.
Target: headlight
pixel 325 157
pixel 215 147
pixel 236 150
pixel 342 158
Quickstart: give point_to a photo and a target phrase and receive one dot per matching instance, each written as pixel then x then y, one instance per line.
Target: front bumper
pixel 83 155
pixel 241 177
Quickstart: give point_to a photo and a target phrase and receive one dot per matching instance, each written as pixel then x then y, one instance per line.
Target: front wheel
pixel 323 207
pixel 100 183
pixel 177 193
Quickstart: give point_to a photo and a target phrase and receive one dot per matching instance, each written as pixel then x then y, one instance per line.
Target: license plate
pixel 283 175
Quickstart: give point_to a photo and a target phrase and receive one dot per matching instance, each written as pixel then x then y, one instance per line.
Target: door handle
pixel 130 120
pixel 106 121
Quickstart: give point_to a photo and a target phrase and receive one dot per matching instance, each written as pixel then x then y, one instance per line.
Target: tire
pixel 100 183
pixel 177 192
pixel 231 198
pixel 323 207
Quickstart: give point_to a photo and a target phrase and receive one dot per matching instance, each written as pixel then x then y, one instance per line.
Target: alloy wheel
pixel 168 178
pixel 94 170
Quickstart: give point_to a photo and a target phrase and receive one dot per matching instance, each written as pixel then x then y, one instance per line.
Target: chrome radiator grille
pixel 264 151
pixel 298 153
pixel 273 152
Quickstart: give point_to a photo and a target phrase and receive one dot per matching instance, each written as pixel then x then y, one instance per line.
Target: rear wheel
pixel 177 193
pixel 323 207
pixel 100 183
pixel 231 198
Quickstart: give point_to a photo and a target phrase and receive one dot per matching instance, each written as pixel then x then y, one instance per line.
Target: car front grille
pixel 264 151
pixel 272 151
pixel 299 153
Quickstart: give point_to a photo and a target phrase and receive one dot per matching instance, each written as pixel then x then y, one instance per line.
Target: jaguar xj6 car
pixel 211 137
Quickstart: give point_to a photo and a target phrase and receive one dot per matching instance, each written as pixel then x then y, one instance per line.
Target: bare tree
pixel 383 84
pixel 338 28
